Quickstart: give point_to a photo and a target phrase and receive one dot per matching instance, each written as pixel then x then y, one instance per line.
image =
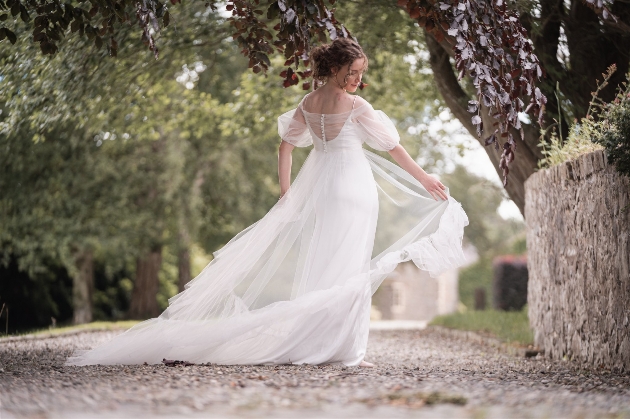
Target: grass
pixel 126 324
pixel 557 151
pixel 507 326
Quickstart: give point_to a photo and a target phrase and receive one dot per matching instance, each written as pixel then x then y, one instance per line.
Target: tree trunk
pixel 183 268
pixel 82 287
pixel 526 154
pixel 144 296
pixel 592 46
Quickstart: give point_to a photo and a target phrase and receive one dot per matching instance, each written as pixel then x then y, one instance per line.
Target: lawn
pixel 126 324
pixel 507 326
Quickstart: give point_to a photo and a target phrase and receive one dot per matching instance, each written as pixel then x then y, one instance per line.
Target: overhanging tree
pixel 494 64
pixel 490 44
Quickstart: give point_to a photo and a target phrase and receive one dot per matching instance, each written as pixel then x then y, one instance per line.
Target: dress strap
pixel 304 99
pixel 355 99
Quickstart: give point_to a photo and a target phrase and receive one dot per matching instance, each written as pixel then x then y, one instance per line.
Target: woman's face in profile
pixel 352 74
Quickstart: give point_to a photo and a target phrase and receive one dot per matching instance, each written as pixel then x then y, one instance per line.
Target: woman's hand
pixel 431 184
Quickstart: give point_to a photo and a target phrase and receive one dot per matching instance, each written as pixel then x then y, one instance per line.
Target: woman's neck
pixel 331 88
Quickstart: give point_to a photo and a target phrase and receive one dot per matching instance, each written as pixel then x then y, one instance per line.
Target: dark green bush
pixel 614 134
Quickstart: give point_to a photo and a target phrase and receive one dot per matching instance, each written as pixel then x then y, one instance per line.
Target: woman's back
pixel 322 103
pixel 327 115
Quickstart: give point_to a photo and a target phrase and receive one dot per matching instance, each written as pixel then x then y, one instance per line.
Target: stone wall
pixel 578 260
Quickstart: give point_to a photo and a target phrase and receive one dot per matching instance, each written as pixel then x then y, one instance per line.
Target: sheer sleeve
pixel 293 129
pixel 380 132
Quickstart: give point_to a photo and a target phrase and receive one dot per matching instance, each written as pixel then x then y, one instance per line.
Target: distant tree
pixel 58 203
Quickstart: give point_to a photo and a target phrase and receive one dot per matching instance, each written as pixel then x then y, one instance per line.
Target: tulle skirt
pixel 296 286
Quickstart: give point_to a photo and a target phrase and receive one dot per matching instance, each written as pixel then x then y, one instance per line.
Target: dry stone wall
pixel 578 236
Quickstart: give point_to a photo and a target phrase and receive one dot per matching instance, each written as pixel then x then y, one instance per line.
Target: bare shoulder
pixel 320 101
pixel 359 101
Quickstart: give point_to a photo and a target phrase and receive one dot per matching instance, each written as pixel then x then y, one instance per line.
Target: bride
pixel 296 286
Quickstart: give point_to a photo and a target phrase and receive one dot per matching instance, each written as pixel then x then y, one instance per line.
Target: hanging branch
pixel 489 43
pixel 492 48
pixel 299 23
pixel 95 19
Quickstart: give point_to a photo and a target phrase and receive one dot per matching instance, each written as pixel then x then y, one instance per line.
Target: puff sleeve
pixel 379 131
pixel 292 128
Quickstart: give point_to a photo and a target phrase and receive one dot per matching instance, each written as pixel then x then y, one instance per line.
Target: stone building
pixel 411 294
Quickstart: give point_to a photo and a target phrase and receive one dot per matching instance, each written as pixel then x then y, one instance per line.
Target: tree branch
pixel 457 99
pixel 452 93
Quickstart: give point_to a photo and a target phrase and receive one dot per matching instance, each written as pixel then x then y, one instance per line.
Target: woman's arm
pixel 284 166
pixel 431 184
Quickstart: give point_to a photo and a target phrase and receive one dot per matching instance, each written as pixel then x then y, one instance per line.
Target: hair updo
pixel 340 52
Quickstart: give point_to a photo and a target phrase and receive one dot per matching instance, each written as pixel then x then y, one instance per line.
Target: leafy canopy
pixel 489 42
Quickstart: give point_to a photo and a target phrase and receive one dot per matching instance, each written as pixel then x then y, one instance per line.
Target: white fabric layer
pixel 296 286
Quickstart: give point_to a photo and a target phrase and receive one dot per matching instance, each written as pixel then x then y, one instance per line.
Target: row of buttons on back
pixel 323 133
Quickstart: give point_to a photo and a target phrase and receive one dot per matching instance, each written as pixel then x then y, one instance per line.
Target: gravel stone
pixel 419 373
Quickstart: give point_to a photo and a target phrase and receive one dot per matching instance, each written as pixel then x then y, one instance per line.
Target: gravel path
pixel 419 374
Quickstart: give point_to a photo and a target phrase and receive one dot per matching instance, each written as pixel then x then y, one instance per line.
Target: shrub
pixel 606 125
pixel 614 135
pixel 579 142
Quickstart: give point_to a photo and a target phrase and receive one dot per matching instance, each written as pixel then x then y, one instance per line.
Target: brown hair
pixel 340 52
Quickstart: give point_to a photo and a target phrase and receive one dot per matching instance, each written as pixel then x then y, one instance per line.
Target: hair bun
pixel 340 52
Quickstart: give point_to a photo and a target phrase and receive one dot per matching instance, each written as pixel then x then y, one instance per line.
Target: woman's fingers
pixel 438 192
pixel 436 189
pixel 442 193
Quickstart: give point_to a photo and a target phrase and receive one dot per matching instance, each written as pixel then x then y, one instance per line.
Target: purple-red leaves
pixel 298 23
pixel 492 48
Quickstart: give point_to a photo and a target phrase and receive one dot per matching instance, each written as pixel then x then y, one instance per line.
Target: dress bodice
pixel 339 131
pixel 333 132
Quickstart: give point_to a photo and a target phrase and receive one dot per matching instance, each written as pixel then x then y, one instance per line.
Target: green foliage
pixel 580 141
pixel 510 327
pixel 477 275
pixel 119 156
pixel 606 126
pixel 480 198
pixel 615 133
pixel 80 82
pixel 112 292
pixel 556 151
pixel 103 154
pixel 487 231
pixel 34 298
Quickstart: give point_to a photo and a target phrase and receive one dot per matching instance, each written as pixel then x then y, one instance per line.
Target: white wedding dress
pixel 296 286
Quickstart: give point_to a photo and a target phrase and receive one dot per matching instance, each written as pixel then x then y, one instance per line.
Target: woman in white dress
pixel 296 286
